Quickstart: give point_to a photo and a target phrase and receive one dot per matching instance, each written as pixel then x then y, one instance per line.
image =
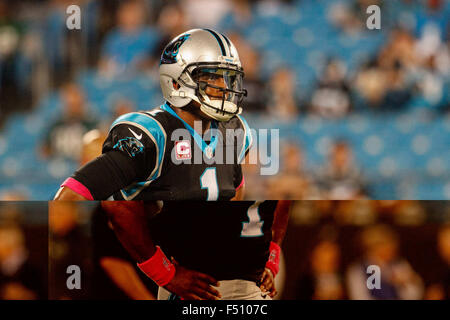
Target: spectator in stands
pixel 283 103
pixel 238 18
pixel 171 22
pixel 340 178
pixel 10 213
pixel 119 106
pixel 19 278
pixel 67 246
pixel 398 94
pixel 123 106
pixel 383 88
pixel 431 71
pixel 331 98
pixel 204 13
pixel 324 279
pixel 312 212
pixel 256 100
pixel 358 212
pixel 64 136
pixel 14 65
pixel 409 212
pixel 92 145
pixel 406 212
pixel 398 280
pixel 371 85
pixel 384 82
pixel 13 195
pixel 127 48
pixel 397 59
pixel 415 69
pixel 351 16
pixel 63 48
pixel 441 290
pixel 292 182
pixel 398 49
pixel 433 17
pixel 432 80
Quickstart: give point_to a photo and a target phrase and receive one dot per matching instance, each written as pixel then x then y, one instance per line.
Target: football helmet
pixel 204 66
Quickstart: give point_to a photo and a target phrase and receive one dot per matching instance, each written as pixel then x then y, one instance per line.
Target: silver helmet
pixel 191 65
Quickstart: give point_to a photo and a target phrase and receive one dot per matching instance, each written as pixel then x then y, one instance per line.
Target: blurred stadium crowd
pixel 361 113
pixel 23 251
pixel 326 251
pixel 330 244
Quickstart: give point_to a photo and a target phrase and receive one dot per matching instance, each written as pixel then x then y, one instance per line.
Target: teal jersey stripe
pixel 134 189
pixel 248 139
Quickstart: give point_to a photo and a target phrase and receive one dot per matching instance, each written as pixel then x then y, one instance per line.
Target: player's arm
pixel 279 226
pixel 66 194
pixel 130 153
pixel 280 221
pixel 100 178
pixel 130 224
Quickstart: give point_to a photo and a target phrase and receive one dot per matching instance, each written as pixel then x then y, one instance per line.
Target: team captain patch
pixel 182 150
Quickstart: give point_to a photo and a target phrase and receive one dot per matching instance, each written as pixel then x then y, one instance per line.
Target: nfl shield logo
pixel 182 150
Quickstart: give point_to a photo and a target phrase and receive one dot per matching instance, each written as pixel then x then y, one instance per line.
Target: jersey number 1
pixel 208 181
pixel 253 228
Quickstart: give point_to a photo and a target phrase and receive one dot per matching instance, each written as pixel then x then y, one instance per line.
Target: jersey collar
pixel 197 138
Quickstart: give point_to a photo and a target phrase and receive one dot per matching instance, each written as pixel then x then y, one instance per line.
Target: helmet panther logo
pixel 170 52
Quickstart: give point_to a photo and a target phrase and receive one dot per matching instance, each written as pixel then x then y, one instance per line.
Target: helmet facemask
pixel 218 89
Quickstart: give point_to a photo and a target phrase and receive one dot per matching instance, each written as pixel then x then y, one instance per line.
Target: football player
pixel 143 156
pixel 233 246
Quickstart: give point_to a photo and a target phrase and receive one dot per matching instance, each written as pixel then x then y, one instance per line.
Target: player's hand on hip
pixel 267 283
pixel 193 285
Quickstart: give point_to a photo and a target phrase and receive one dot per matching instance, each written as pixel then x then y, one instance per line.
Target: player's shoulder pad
pixel 248 138
pixel 146 123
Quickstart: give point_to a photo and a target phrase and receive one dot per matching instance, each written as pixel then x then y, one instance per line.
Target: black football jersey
pixel 226 239
pixel 173 162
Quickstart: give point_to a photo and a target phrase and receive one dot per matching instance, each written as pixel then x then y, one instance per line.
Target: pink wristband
pixel 77 187
pixel 274 258
pixel 158 268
